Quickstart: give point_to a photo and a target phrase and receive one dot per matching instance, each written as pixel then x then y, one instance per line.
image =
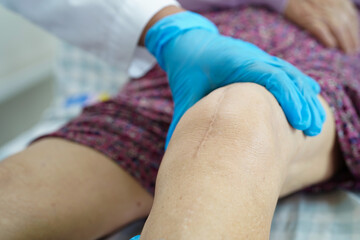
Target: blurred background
pixel 44 82
pixel 27 56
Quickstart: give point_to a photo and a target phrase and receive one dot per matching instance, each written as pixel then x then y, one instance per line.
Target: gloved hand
pixel 198 60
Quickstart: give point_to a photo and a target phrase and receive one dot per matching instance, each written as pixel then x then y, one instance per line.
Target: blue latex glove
pixel 136 238
pixel 198 60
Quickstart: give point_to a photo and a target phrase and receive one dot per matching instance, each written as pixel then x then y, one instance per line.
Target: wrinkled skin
pixel 333 22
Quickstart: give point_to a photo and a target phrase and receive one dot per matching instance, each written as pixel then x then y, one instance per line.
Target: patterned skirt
pixel 131 127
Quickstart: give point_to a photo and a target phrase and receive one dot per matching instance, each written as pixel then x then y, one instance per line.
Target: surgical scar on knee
pixel 210 127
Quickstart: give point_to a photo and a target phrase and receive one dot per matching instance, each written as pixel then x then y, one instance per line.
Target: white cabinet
pixel 26 64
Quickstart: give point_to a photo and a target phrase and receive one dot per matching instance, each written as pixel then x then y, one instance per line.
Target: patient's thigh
pixel 316 159
pixel 57 189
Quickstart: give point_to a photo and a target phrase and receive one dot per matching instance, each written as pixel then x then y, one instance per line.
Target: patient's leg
pixel 231 157
pixel 61 190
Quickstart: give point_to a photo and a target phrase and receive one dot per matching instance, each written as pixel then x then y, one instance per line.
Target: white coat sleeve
pixel 109 29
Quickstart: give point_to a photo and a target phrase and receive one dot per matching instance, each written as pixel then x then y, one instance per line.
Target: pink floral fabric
pixel 131 127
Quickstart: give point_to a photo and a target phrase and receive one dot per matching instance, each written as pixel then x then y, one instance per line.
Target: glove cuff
pixel 172 26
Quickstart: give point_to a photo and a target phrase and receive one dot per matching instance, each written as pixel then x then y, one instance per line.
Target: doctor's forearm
pixel 161 14
pixel 108 29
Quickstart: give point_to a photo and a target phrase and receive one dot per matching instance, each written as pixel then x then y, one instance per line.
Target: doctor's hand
pixel 333 22
pixel 198 60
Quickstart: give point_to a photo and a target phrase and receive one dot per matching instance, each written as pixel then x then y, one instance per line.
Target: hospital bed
pixel 331 216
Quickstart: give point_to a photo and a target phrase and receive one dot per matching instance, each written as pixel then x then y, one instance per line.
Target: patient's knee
pixel 238 124
pixel 242 111
pixel 240 121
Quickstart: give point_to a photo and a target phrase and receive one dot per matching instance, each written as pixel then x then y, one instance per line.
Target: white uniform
pixel 110 29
